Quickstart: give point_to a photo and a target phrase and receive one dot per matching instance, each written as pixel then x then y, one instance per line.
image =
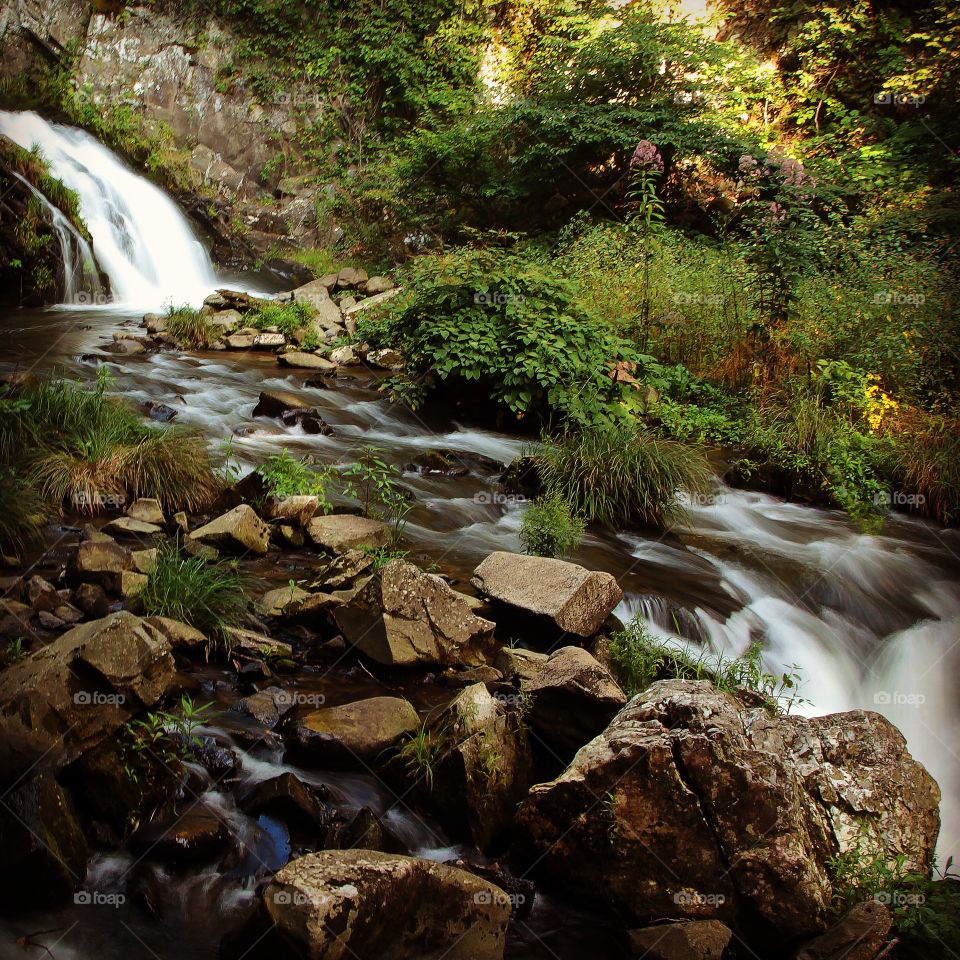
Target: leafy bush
pixel 619 474
pixel 639 659
pixel 208 596
pixel 550 528
pixel 507 322
pixel 287 476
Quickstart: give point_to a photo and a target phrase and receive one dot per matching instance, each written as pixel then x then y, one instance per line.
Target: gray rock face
pixel 239 528
pixel 361 903
pixel 404 616
pixel 577 600
pixel 710 809
pixel 574 698
pixel 87 683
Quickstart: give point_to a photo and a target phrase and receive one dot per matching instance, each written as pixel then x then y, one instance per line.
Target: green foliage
pixel 383 555
pixel 289 317
pixel 23 512
pixel 506 323
pixel 550 528
pixel 189 326
pixel 287 476
pixel 373 482
pixel 82 447
pixel 616 475
pixel 420 752
pixel 926 909
pixel 640 659
pixel 208 595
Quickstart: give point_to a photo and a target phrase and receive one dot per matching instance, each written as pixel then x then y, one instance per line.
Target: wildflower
pixel 647 156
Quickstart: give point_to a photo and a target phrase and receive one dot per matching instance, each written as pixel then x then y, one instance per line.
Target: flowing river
pixel 867 621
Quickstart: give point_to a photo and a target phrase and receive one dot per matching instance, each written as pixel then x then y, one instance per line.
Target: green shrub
pixel 287 476
pixel 189 326
pixel 507 323
pixel 619 474
pixel 208 596
pixel 550 528
pixel 639 659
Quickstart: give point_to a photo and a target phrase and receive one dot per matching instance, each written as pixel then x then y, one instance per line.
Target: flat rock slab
pixel 273 403
pixel 305 361
pixel 341 904
pixel 577 600
pixel 341 532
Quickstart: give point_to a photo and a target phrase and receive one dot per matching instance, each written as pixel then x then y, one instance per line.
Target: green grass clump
pixel 288 317
pixel 208 595
pixel 639 659
pixel 618 474
pixel 83 448
pixel 550 528
pixel 287 476
pixel 23 513
pixel 189 326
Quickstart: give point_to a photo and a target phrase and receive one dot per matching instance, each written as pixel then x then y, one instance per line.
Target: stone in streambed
pixel 361 903
pixel 148 510
pixel 305 361
pixel 687 940
pixel 239 528
pixel 577 600
pixel 196 836
pixel 354 734
pixel 273 403
pixel 341 532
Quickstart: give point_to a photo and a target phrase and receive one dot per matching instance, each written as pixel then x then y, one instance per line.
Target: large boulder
pixel 404 616
pixel 687 940
pixel 354 733
pixel 577 600
pixel 361 903
pixel 318 297
pixel 573 697
pixel 86 684
pixel 693 805
pixel 341 532
pixel 274 403
pixel 239 528
pixel 860 934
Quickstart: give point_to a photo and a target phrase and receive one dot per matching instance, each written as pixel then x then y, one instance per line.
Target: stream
pixel 867 621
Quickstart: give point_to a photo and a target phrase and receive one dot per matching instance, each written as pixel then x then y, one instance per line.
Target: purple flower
pixel 647 156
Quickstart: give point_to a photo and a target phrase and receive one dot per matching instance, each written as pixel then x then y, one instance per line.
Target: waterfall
pixel 141 240
pixel 80 280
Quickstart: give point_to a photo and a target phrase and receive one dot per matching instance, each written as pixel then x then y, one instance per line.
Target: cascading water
pixel 141 240
pixel 79 263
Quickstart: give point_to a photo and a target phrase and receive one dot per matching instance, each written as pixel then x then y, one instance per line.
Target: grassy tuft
pixel 23 513
pixel 208 596
pixel 550 528
pixel 615 475
pixel 189 326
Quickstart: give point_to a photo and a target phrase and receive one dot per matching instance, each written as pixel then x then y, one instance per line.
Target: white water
pixel 141 240
pixel 867 621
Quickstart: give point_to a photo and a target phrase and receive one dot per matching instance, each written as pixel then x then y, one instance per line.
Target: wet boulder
pixel 305 361
pixel 289 799
pixel 404 616
pixel 87 683
pixel 273 403
pixel 576 600
pixel 573 697
pixel 862 933
pixel 354 734
pixel 239 528
pixel 686 940
pixel 340 532
pixel 309 421
pixel 197 835
pixel 368 904
pixel 715 809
